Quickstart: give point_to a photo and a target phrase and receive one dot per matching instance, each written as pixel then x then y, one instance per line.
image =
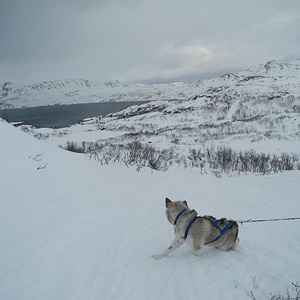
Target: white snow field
pixel 71 229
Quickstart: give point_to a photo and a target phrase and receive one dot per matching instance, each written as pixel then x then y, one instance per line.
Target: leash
pixel 267 220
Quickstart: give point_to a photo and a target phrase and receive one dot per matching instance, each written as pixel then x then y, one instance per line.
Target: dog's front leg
pixel 175 244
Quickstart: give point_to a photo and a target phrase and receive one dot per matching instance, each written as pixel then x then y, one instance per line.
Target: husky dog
pixel 198 231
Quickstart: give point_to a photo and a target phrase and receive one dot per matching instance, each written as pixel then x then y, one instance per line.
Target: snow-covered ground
pixel 264 125
pixel 71 228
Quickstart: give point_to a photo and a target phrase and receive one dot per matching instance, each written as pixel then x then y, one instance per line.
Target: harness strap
pixel 179 216
pixel 221 231
pixel 214 223
pixel 188 227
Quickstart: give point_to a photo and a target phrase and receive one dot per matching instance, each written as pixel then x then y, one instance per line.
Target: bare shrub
pixel 219 160
pixel 278 296
pixel 74 147
pixel 226 160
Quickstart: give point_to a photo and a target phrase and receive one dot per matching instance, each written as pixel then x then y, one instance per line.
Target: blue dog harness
pixel 214 223
pixel 221 231
pixel 179 216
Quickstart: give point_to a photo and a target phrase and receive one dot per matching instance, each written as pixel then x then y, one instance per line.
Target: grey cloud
pixel 140 40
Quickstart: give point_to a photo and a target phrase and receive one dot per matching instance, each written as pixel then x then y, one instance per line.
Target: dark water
pixel 63 115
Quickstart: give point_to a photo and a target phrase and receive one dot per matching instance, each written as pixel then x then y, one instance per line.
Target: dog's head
pixel 174 208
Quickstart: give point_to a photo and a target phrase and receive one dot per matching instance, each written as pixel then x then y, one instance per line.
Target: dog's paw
pixel 156 257
pixel 197 253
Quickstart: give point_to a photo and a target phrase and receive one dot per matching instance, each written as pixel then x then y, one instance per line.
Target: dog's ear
pixel 169 203
pixel 185 202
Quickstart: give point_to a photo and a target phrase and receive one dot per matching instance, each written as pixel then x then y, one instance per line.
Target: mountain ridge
pixel 269 78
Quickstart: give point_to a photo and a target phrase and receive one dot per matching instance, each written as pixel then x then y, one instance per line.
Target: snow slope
pixel 73 229
pixel 263 124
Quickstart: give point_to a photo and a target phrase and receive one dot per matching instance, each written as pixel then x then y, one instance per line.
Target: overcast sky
pixel 143 40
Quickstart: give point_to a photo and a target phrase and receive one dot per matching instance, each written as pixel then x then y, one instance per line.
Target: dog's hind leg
pixel 235 244
pixel 175 244
pixel 229 246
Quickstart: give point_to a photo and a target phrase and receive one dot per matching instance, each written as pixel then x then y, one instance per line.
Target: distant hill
pixel 272 79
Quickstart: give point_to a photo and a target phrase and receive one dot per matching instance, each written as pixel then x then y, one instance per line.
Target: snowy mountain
pixel 29 94
pixel 275 78
pixel 275 68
